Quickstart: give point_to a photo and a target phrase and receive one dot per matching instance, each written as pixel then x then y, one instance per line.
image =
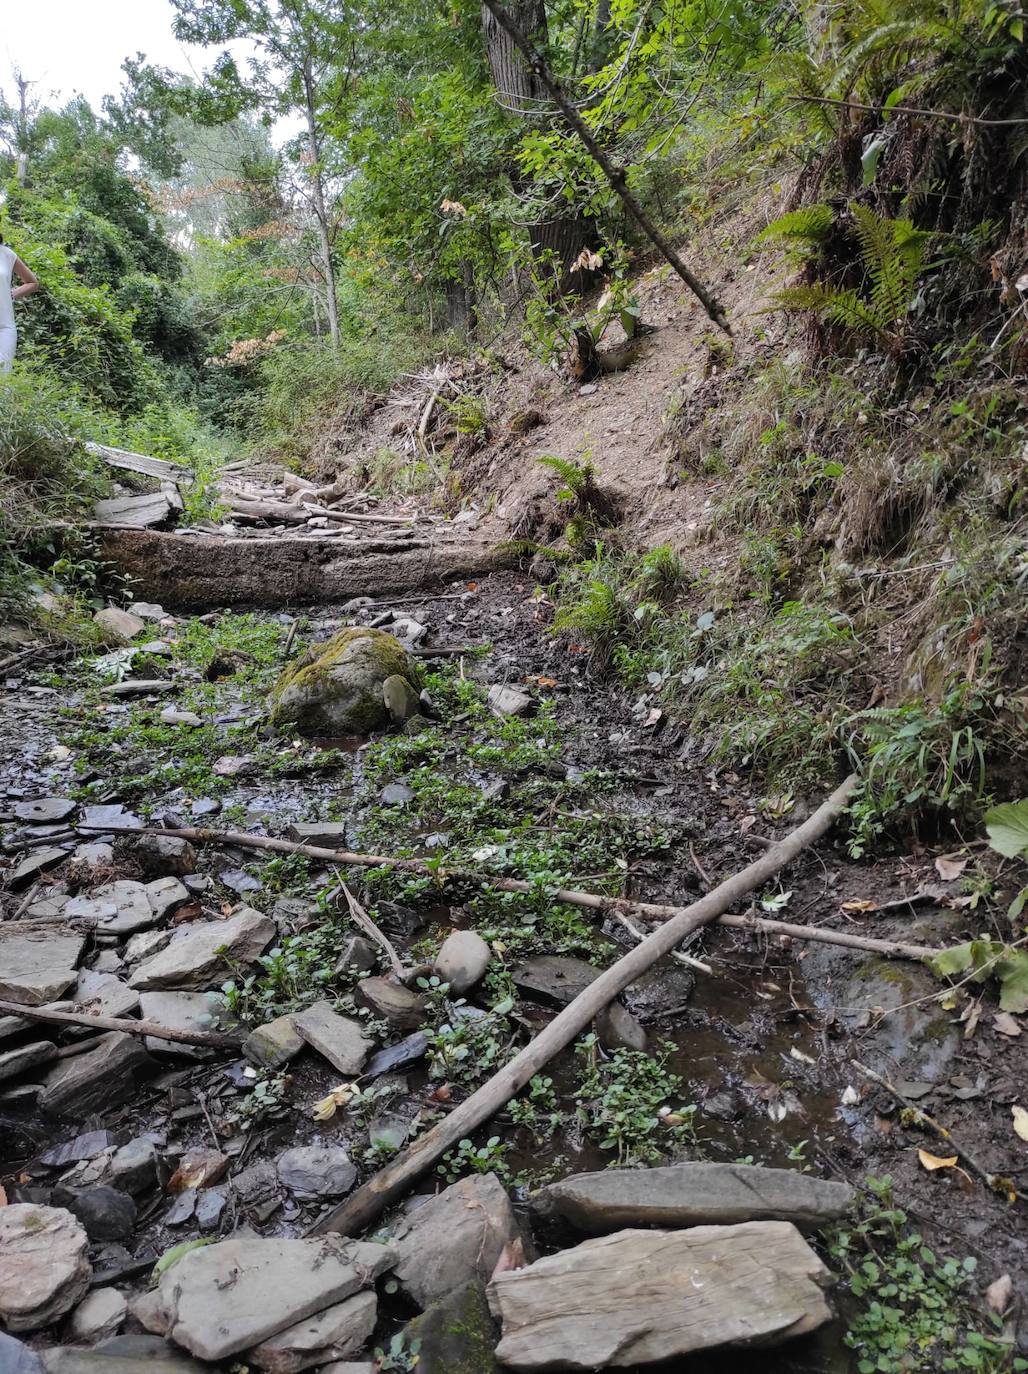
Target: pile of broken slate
pixel 143 1238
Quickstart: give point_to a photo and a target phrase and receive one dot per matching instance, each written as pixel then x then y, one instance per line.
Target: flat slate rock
pixel 692 1195
pixel 100 1079
pixel 338 1331
pixel 122 1355
pixel 394 1003
pixel 398 1056
pixel 197 959
pixel 236 1294
pixel 189 1011
pixel 24 1058
pixel 101 994
pixel 46 810
pixel 26 872
pixel 555 977
pixel 457 1334
pixel 340 1039
pixel 317 1171
pixel 321 834
pixel 35 968
pixel 638 1297
pixel 16 1358
pixel 44 1269
pixel 273 1044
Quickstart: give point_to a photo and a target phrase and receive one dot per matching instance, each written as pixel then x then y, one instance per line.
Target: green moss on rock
pixel 336 688
pixel 458 1334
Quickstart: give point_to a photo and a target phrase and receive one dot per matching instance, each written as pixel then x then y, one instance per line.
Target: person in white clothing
pixel 11 266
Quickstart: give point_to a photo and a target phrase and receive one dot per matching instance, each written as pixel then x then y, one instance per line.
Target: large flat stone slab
pixel 198 959
pixel 692 1195
pixel 637 1297
pixel 340 1330
pixel 102 1078
pixel 36 967
pixel 237 1294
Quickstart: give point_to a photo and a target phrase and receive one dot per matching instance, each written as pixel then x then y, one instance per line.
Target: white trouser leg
pixel 8 344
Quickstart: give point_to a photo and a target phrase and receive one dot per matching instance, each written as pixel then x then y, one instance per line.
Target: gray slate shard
pixel 37 967
pixel 554 977
pixel 83 1147
pixel 317 1171
pixel 29 869
pixel 45 811
pixel 16 1358
pixel 398 1056
pixel 697 1194
pixel 340 1039
pixel 102 1078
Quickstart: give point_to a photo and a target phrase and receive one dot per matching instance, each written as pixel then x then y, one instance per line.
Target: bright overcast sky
pixel 74 46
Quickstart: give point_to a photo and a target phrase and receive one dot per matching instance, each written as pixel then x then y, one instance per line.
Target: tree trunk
pixel 555 243
pixel 461 302
pixel 320 208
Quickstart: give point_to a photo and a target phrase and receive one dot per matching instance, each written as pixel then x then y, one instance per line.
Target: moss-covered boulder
pixel 336 688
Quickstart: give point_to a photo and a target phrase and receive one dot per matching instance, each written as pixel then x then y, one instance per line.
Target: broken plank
pixel 139 462
pixel 136 512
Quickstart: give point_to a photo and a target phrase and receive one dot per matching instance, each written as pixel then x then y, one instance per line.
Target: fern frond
pixel 575 476
pixel 811 224
pixel 893 252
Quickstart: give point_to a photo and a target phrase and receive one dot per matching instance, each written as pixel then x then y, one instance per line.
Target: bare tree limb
pixel 214 1040
pixel 616 176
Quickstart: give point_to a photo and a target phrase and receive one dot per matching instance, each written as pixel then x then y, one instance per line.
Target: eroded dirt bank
pixel 156 1143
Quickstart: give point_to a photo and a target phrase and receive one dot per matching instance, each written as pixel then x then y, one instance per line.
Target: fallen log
pixel 615 906
pixel 214 1040
pixel 246 509
pixel 136 512
pixel 371 1199
pixel 139 462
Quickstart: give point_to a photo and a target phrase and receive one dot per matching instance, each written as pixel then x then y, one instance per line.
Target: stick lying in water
pixel 214 1040
pixel 655 911
pixel 363 1206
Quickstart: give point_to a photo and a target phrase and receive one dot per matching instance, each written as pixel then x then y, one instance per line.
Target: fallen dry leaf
pixel 858 904
pixel 1020 1121
pixel 932 1162
pixel 198 1168
pixel 1006 1024
pixel 998 1294
pixel 326 1107
pixel 949 869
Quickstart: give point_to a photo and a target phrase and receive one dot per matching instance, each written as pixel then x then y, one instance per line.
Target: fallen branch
pixel 363 1206
pixel 616 176
pixel 614 906
pixel 361 918
pixel 996 1182
pixel 214 1040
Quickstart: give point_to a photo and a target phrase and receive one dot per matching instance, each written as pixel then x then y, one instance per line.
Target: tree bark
pixel 321 215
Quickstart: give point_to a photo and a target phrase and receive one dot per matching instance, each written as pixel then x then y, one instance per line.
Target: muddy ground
pixel 764 1044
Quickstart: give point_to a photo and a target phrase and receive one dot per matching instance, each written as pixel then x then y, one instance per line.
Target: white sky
pixel 74 47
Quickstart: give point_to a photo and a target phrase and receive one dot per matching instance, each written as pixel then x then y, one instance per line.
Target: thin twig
pixel 361 918
pixel 679 956
pixel 909 109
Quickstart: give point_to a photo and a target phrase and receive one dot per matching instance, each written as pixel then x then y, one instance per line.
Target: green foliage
pixel 624 1104
pixel 807 227
pixel 399 1356
pixel 914 1306
pixel 469 1158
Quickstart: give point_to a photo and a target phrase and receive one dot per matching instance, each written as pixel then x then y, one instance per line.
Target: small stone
pixel 202 954
pixel 407 630
pixel 462 960
pixel 26 1057
pixel 453 1238
pixel 103 994
pixel 556 978
pixel 339 1039
pixel 188 1011
pixel 37 967
pixel 273 1044
pixel 456 1333
pixel 26 872
pixel 45 811
pixel 238 880
pixel 99 1080
pixel 357 956
pixel 44 1271
pixel 160 855
pixel 16 1358
pixel 588 389
pixel 147 610
pixel 509 701
pixel 661 992
pixel 146 943
pixel 106 1213
pixel 97 817
pixel 401 700
pixel 337 1331
pixel 100 1314
pixel 398 1056
pixel 313 1171
pixel 94 855
pixel 128 1354
pixel 83 1147
pixel 182 1209
pixel 131 908
pixel 138 687
pixel 210 1203
pixel 166 895
pixel 205 806
pixel 133 1166
pixel 395 1003
pixel 396 794
pixel 171 716
pixel 233 765
pixel 119 624
pixel 618 1029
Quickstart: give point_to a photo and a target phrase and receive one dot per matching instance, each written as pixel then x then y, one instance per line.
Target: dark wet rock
pixel 509 701
pixel 335 689
pixel 339 1039
pixel 100 1314
pixel 401 700
pixel 82 1147
pixel 133 1166
pixel 99 1080
pixel 357 956
pixel 210 1203
pixel 188 1011
pixel 396 794
pixel 182 1209
pixel 693 1195
pixel 316 1171
pixel 273 1044
pixel 106 1213
pixel 16 1358
pixel 322 834
pixel 457 1334
pixel 257 1186
pixel 45 811
pixel 398 1056
pixel 29 869
pixel 462 960
pixel 393 1002
pixel 44 1271
pixel 727 1104
pixel 554 977
pixel 26 1058
pixel 275 1283
pixel 238 880
pixel 199 957
pixel 661 992
pixel 637 1297
pixel 161 855
pixel 453 1238
pixel 338 1331
pixel 122 1355
pixel 618 1029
